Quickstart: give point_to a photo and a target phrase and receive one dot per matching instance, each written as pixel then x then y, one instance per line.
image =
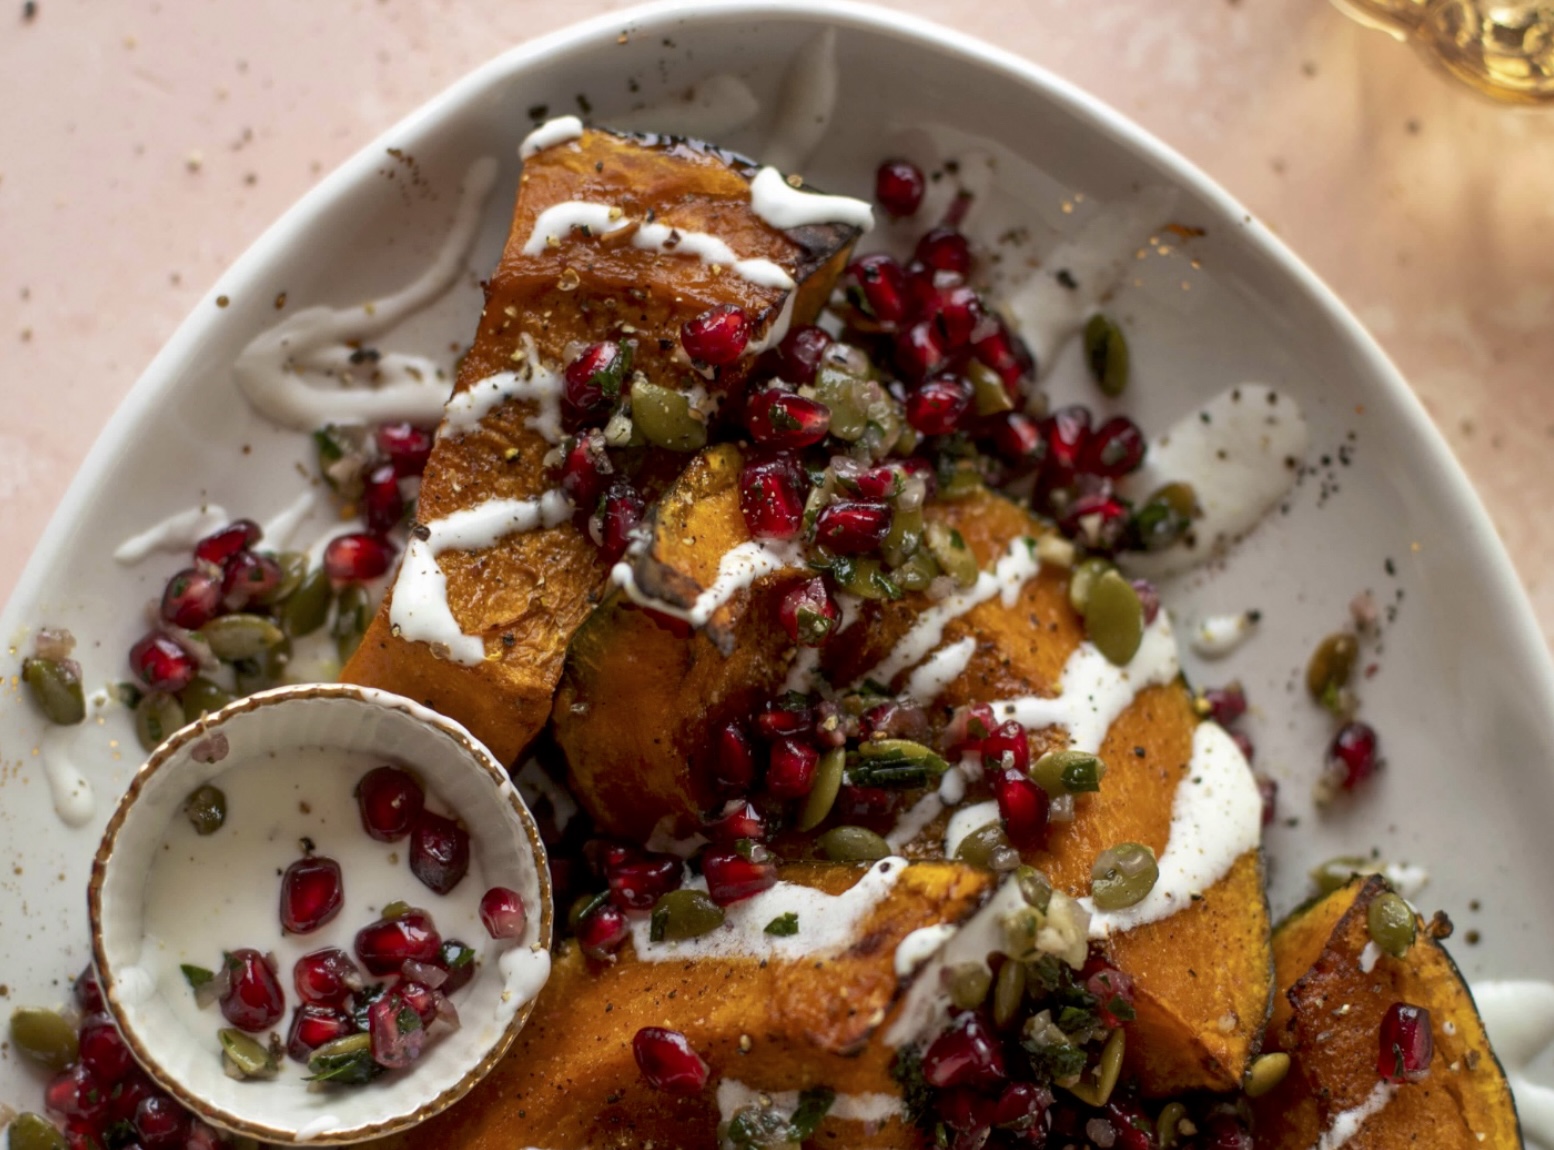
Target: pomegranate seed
pixel 937 407
pixel 192 599
pixel 75 1093
pixel 602 930
pixel 945 250
pixel 503 913
pixel 1113 992
pixel 619 517
pixel 357 557
pixel 390 800
pixel 739 820
pixel 312 893
pixel 312 1026
pixel 771 497
pixel 203 1137
pixel 898 186
pixel 1067 432
pixel 398 1035
pixel 586 470
pixel 966 1111
pixel 732 876
pixel 800 352
pixel 1131 1124
pixel 1268 790
pixel 1018 442
pixel 967 1054
pixel 1097 519
pixel 957 309
pixel 88 991
pixel 326 977
pixel 159 1121
pixel 103 1050
pixel 383 507
pixel 439 852
pixel 225 542
pixel 638 885
pixel 717 336
pixel 593 382
pixel 407 446
pixel 1226 704
pixel 459 961
pixel 1008 356
pixel 808 613
pixel 421 999
pixel 785 716
pixel 1023 805
pixel 969 725
pixel 1407 1043
pixel 386 945
pixel 1149 599
pixel 1352 759
pixel 736 760
pixel 919 350
pixel 605 855
pixel 1115 449
pixel 1008 747
pixel 862 804
pixel 667 1061
pixel 254 1001
pixel 1022 1109
pixel 84 1135
pixel 161 664
pixel 786 420
pixel 875 483
pixel 790 772
pixel 249 578
pixel 852 527
pixel 127 1096
pixel 877 288
pixel 894 720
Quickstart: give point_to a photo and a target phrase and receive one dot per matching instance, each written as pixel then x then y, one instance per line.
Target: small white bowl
pixel 140 981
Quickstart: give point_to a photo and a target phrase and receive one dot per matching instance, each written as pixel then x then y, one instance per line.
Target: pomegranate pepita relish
pixel 937 694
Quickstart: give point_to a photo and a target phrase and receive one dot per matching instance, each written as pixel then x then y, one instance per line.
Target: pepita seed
pixel 1335 873
pixel 664 417
pixel 202 697
pixel 969 983
pixel 1266 1073
pixel 307 608
pixel 828 781
pixel 1008 993
pixel 344 1062
pixel 157 716
pixel 905 536
pixel 33 1132
pixel 842 392
pixel 353 611
pixel 988 392
pixel 294 569
pixel 1162 519
pixel 1391 923
pixel 43 1037
pixel 1106 351
pixel 1166 1126
pixel 241 636
pixel 55 685
pixel 1114 618
pixel 1097 1085
pixel 683 914
pixel 866 578
pixel 246 1055
pixel 1069 772
pixel 1035 888
pixel 917 572
pixel 1331 665
pixel 1123 876
pixel 947 546
pixel 853 844
pixel 988 848
pixel 959 480
pixel 1082 580
pixel 206 809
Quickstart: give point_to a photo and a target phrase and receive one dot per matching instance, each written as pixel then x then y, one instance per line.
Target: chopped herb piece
pixel 196 976
pixel 813 1106
pixel 784 925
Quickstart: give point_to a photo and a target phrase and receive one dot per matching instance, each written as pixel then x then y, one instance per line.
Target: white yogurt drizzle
pixel 177 533
pixel 271 370
pixel 559 221
pixel 805 105
pixel 871 1109
pixel 1369 957
pixel 1519 1018
pixel 1347 1123
pixel 1216 636
pixel 560 130
pixel 738 569
pixel 534 381
pixel 827 923
pixel 921 945
pixel 75 802
pixel 966 820
pixel 940 669
pixel 668 240
pixel 1241 452
pixel 525 970
pixel 783 206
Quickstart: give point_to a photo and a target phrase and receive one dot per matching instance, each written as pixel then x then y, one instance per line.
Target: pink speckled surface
pixel 144 145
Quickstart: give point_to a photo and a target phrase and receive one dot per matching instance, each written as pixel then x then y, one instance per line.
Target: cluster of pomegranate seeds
pixel 667 1061
pixel 969 1053
pixel 1407 1043
pixel 392 804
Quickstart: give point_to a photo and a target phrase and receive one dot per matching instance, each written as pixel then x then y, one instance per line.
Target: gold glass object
pixel 1504 50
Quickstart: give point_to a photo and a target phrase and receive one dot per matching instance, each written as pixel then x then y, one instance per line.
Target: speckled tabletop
pixel 144 144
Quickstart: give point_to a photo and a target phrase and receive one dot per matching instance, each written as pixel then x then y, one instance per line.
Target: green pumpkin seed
pixel 1114 618
pixel 202 697
pixel 917 572
pixel 1266 1073
pixel 988 848
pixel 43 1037
pixel 344 1062
pixel 1069 772
pixel 157 717
pixel 828 781
pixel 1097 1085
pixel 989 395
pixel 396 909
pixel 353 611
pixel 55 685
pixel 969 983
pixel 1162 519
pixel 865 578
pixel 1082 580
pixel 894 763
pixel 683 914
pixel 1331 665
pixel 1123 876
pixel 844 394
pixel 307 608
pixel 853 844
pixel 1008 993
pixel 946 545
pixel 1035 888
pixel 241 636
pixel 664 417
pixel 294 569
pixel 1106 351
pixel 959 479
pixel 905 536
pixel 1167 1126
pixel 33 1132
pixel 1392 925
pixel 244 1057
pixel 206 809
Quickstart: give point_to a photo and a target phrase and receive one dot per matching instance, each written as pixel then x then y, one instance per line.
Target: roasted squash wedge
pixel 1328 1019
pixel 571 1082
pixel 526 595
